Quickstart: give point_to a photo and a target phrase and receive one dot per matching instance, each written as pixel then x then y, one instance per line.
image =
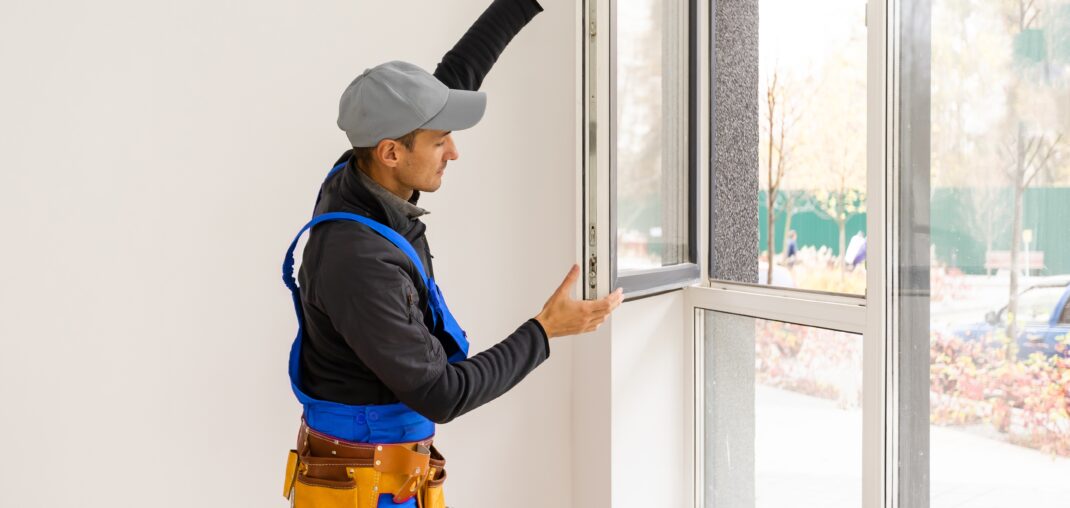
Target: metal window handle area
pixel 592 271
pixel 595 199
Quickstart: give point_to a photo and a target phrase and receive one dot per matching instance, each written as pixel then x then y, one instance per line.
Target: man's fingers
pixel 614 299
pixel 570 279
pixel 598 311
pixel 594 324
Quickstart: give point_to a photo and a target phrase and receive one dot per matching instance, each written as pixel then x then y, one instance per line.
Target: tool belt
pixel 325 472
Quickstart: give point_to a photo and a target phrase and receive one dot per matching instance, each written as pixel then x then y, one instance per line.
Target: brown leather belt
pixel 328 458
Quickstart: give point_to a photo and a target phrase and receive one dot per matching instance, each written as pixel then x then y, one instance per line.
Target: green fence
pixel 812 228
pixel 964 222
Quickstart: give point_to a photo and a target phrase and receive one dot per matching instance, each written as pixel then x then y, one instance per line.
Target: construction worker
pixel 378 359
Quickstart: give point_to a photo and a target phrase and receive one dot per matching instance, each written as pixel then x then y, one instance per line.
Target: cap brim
pixel 463 109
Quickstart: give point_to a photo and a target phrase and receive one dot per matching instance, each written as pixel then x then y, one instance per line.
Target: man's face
pixel 422 167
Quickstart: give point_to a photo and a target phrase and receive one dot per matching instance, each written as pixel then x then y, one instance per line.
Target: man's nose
pixel 451 149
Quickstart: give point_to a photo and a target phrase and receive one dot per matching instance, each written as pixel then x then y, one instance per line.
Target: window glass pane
pixel 1000 253
pixel 783 417
pixel 651 157
pixel 812 145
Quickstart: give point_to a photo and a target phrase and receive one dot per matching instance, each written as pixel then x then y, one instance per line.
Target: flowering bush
pixel 975 382
pixel 982 381
pixel 979 381
pixel 811 361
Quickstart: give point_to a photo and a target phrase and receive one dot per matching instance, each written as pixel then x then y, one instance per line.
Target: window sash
pixel 600 206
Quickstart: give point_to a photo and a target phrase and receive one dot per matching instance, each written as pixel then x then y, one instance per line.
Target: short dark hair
pixel 363 154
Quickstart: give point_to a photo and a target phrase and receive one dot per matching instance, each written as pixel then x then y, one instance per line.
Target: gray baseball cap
pixel 393 99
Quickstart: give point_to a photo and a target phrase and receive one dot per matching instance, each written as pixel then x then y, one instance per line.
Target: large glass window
pixel 971 112
pixel 998 195
pixel 812 145
pixel 783 418
pixel 782 369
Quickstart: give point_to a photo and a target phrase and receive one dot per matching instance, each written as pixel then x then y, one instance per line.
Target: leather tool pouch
pixel 322 482
pixel 431 493
pixel 329 474
pixel 291 475
pixel 319 493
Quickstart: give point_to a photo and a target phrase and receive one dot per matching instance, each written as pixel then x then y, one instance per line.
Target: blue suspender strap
pixel 375 423
pixel 439 312
pixel 386 232
pixel 338 167
pixel 288 279
pixel 389 234
pixel 334 170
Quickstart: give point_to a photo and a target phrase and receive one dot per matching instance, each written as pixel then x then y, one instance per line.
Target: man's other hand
pixel 562 315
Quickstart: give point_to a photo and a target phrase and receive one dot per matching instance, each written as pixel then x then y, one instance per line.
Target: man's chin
pixel 433 187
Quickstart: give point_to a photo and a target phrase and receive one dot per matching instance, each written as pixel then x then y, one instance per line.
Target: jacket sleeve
pixel 465 66
pixel 388 334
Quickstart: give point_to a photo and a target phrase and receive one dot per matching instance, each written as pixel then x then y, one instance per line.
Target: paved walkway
pixel 809 454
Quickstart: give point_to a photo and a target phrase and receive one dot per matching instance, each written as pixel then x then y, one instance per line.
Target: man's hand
pixel 562 315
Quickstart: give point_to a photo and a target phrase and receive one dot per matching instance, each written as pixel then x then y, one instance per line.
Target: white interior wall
pixel 155 159
pixel 632 408
pixel 651 365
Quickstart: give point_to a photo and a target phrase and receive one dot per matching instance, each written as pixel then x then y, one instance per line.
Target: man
pixel 379 359
pixel 792 249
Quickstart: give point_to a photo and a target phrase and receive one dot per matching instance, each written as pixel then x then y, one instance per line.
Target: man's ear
pixel 388 152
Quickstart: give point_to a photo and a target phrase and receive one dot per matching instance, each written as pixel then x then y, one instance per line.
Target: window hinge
pixel 594 29
pixel 592 273
pixel 592 263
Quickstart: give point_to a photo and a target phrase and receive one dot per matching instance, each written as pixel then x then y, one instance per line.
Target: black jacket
pixel 367 337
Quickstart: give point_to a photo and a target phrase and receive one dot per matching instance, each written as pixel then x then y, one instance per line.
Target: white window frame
pixel 875 315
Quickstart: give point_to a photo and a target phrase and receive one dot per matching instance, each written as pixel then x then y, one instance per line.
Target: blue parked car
pixel 1043 321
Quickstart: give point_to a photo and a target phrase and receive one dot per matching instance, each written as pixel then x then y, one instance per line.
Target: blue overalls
pixel 390 423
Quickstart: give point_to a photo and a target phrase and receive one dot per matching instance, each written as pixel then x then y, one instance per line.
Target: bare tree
pixel 781 115
pixel 988 207
pixel 969 71
pixel 1030 149
pixel 1031 155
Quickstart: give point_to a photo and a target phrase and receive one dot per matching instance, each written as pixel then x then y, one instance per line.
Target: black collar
pixel 347 192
